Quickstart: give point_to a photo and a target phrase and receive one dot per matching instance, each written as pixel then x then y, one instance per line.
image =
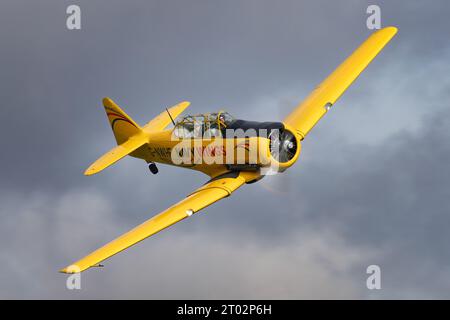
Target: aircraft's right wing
pixel 309 112
pixel 214 190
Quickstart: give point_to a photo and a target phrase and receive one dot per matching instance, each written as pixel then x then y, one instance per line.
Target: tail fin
pixel 122 125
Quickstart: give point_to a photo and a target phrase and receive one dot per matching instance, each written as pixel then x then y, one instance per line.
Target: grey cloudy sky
pixel 371 186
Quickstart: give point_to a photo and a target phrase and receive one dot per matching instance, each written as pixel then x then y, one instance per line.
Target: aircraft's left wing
pixel 209 193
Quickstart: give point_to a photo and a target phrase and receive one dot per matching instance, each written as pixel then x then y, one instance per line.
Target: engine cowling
pixel 284 148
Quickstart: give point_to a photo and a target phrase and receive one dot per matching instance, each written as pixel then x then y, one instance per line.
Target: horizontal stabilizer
pixel 117 153
pixel 163 119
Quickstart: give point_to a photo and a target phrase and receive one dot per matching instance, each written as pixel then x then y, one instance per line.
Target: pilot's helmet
pixel 222 120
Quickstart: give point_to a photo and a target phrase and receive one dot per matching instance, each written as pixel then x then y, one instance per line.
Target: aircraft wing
pixel 209 193
pixel 309 112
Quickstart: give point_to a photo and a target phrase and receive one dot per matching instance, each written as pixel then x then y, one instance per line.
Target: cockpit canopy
pixel 203 125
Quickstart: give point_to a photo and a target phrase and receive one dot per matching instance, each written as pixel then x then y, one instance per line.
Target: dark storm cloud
pixel 371 186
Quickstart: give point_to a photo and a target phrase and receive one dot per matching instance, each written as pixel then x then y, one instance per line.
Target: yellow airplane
pixel 202 142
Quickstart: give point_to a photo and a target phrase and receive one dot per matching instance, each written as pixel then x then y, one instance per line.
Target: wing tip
pixel 91 171
pixel 391 30
pixel 73 268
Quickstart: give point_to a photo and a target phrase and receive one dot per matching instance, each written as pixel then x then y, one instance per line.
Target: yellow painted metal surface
pixel 121 123
pixel 117 153
pixel 309 112
pixel 163 119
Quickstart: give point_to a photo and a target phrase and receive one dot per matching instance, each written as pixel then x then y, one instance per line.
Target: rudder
pixel 122 125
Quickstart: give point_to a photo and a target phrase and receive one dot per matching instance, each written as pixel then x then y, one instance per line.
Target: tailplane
pixel 129 135
pixel 117 153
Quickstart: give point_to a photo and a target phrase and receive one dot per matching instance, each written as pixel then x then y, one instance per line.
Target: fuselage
pixel 240 146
